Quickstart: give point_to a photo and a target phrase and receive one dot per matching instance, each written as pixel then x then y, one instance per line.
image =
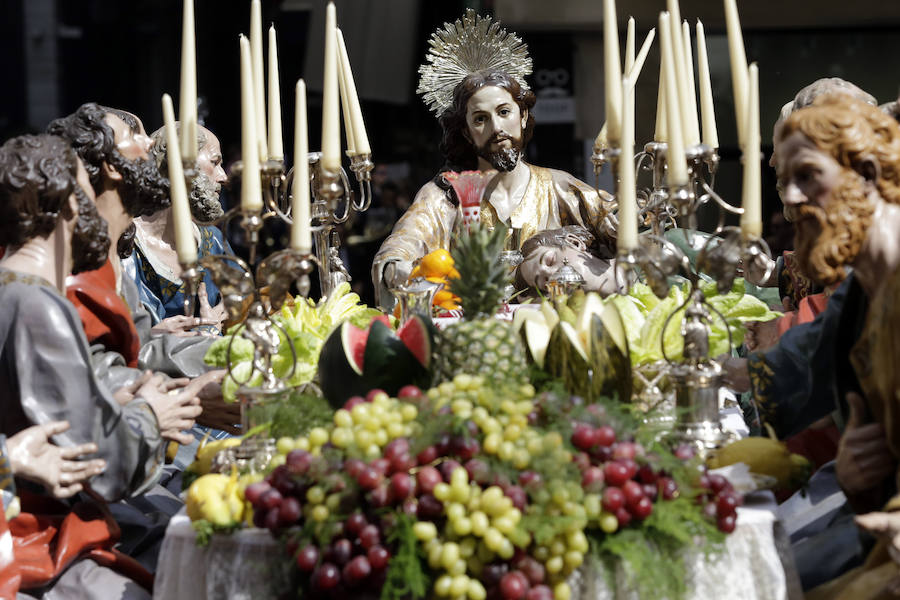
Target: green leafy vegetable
pixel 299 413
pixel 645 316
pixel 307 325
pixel 406 575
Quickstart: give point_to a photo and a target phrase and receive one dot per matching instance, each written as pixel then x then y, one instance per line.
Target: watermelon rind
pixel 610 368
pixel 337 378
pixel 567 360
pixel 388 363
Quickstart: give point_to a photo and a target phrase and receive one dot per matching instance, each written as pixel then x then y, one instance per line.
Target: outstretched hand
pixel 181 326
pixel 33 456
pixel 761 335
pixel 125 394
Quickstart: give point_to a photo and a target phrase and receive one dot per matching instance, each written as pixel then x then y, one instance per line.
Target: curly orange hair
pixel 852 132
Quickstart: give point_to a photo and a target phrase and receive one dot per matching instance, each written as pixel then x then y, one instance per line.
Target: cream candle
pixel 676 162
pixel 629 46
pixel 601 142
pixel 688 56
pixel 635 71
pixel 251 187
pixel 331 135
pixel 345 106
pixel 361 141
pixel 256 54
pixel 187 105
pixel 185 246
pixel 707 108
pixel 613 73
pixel 738 57
pixel 276 143
pixel 678 69
pixel 660 133
pixel 751 220
pixel 300 233
pixel 626 191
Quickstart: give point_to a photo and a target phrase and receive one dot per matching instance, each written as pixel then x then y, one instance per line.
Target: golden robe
pixel 551 200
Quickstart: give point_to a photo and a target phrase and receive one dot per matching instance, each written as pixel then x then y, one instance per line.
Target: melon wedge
pixel 537 338
pixel 550 315
pixel 353 341
pixel 526 314
pixel 615 326
pixel 415 336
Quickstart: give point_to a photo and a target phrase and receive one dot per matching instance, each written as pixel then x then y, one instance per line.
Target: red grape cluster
pixel 525 578
pixel 468 491
pixel 610 468
pixel 720 501
pixel 357 555
pixel 355 558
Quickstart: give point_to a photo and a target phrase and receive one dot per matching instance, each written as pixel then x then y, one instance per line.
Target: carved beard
pixel 144 189
pixel 504 159
pixel 90 238
pixel 204 199
pixel 833 242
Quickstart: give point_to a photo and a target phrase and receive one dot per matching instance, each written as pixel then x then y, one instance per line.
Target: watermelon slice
pixel 354 361
pixel 353 341
pixel 415 336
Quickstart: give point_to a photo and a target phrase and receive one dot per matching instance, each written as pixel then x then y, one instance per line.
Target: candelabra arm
pixel 735 210
pixel 626 271
pixel 361 165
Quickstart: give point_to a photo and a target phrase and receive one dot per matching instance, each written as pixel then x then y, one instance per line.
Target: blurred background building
pixel 57 54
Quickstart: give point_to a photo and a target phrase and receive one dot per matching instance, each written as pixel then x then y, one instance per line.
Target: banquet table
pixel 756 564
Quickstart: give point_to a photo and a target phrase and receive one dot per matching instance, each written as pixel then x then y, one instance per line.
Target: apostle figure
pixel 154 265
pixel 475 82
pixel 840 163
pixel 51 227
pixel 116 152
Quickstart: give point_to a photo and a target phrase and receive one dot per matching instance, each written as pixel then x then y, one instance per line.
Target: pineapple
pixel 481 344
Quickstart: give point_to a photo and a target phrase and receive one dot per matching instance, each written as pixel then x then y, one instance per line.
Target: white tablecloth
pixel 756 564
pixel 248 565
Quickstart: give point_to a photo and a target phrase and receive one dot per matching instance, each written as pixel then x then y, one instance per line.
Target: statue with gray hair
pixel 154 266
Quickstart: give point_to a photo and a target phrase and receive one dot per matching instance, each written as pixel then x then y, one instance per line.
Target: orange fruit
pixel 442 296
pixel 453 273
pixel 437 263
pixel 416 272
pixel 449 305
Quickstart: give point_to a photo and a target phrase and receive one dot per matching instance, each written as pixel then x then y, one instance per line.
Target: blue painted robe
pixel 160 291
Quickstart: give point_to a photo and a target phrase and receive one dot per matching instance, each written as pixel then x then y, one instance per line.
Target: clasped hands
pixel 175 402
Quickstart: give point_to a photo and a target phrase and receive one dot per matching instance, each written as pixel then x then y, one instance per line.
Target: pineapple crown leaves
pixel 482 276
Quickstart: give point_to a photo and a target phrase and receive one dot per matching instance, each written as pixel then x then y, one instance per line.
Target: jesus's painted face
pixel 494 125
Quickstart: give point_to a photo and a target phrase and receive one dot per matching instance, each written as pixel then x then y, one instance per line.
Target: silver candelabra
pixel 244 291
pixel 696 378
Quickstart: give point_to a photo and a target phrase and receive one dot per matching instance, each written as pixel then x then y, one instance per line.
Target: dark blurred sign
pixel 552 79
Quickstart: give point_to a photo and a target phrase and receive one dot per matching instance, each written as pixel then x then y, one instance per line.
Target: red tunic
pixel 105 317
